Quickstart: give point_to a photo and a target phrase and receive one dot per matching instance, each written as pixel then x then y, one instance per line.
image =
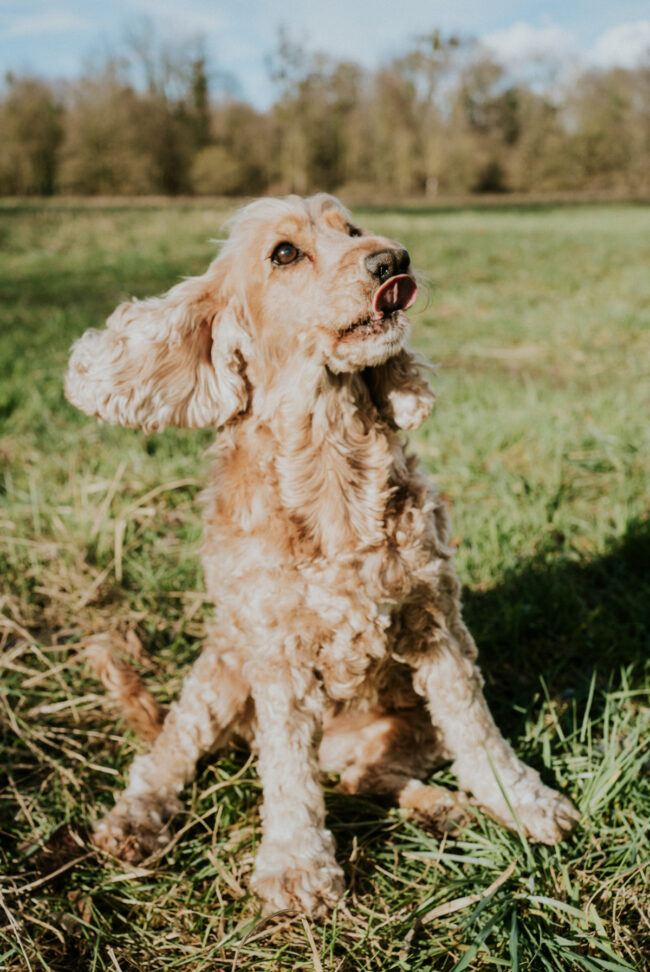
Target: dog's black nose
pixel 387 263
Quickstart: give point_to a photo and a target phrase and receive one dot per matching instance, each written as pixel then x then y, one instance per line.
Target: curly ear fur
pixel 178 359
pixel 401 395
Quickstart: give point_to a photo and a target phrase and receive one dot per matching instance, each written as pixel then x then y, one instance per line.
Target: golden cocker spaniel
pixel 337 641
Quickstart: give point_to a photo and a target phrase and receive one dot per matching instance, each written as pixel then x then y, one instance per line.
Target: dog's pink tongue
pixel 398 293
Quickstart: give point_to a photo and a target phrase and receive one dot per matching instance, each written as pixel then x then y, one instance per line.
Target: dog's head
pixel 315 282
pixel 295 283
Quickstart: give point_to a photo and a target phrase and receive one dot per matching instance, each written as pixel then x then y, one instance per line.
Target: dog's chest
pixel 358 596
pixel 290 548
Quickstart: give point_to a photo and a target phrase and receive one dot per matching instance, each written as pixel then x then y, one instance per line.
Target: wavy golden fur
pixel 337 641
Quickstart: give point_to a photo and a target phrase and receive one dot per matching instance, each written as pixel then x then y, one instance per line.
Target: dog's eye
pixel 284 254
pixel 353 230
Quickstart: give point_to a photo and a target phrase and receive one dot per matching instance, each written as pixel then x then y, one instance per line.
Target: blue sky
pixel 58 38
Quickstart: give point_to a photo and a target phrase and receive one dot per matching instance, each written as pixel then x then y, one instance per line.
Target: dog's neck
pixel 334 463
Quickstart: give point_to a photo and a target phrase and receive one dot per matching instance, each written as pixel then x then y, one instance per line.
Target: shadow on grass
pixel 561 619
pixel 552 618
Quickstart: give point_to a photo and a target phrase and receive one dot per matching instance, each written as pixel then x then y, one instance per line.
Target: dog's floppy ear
pixel 402 396
pixel 178 359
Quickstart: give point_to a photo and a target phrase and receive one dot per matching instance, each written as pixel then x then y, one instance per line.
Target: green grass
pixel 539 320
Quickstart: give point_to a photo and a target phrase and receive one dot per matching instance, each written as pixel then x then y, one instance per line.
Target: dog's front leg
pixel 295 867
pixel 483 761
pixel 213 699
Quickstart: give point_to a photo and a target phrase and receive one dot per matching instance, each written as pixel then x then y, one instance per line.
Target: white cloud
pixel 545 56
pixel 521 42
pixel 48 22
pixel 622 46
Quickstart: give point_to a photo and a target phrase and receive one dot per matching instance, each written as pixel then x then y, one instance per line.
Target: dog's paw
pixel 543 814
pixel 134 828
pixel 286 882
pixel 548 818
pixel 444 811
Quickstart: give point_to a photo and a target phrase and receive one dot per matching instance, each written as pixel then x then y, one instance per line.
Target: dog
pixel 337 642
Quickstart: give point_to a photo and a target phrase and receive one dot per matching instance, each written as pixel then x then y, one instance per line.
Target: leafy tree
pixel 443 117
pixel 106 148
pixel 31 126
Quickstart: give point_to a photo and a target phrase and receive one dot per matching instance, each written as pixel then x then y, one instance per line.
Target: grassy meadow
pixel 539 320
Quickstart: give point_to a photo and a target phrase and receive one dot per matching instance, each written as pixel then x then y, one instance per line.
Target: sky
pixel 62 38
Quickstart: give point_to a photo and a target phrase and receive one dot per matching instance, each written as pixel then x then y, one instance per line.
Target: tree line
pixel 444 118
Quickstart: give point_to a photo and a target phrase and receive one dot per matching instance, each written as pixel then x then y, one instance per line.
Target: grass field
pixel 539 318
